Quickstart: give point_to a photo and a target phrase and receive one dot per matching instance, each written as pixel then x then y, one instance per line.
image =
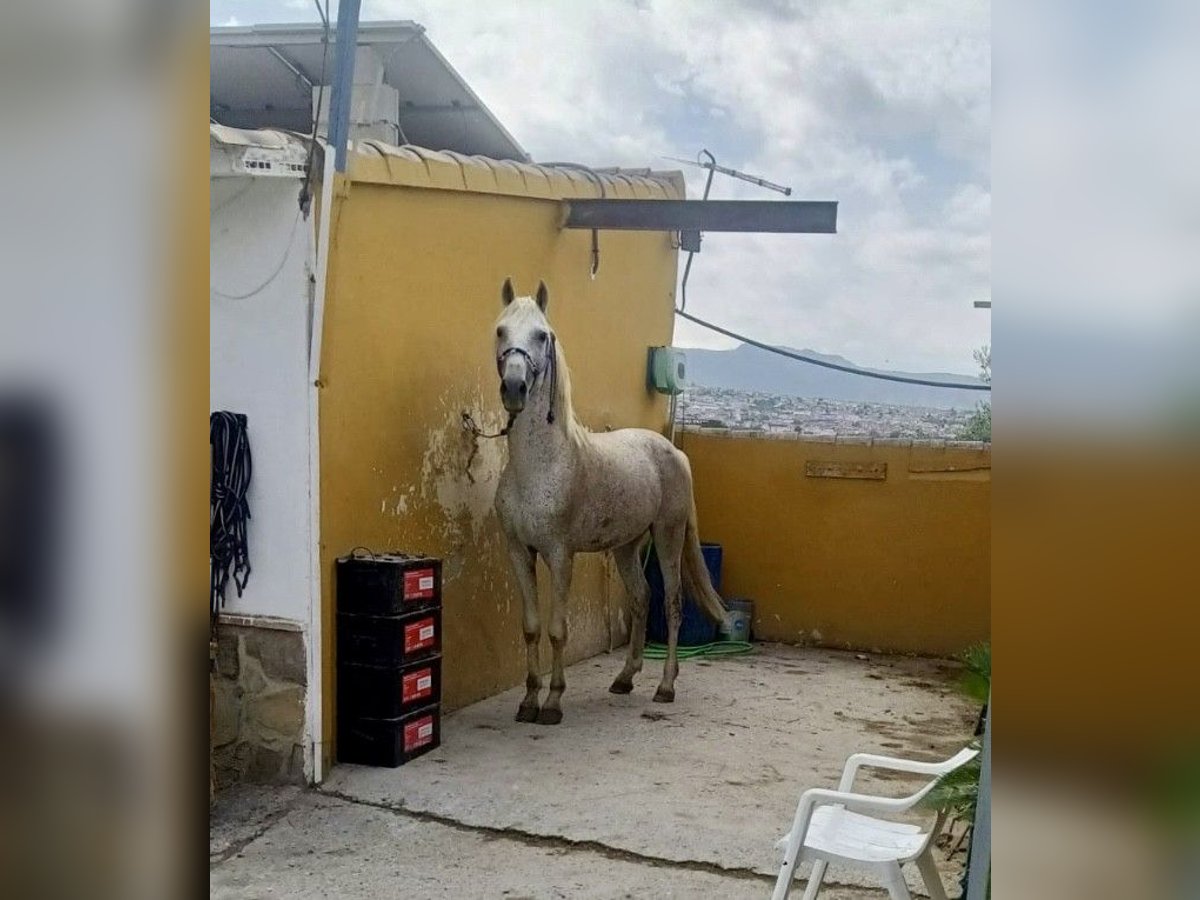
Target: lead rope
pixel 552 363
pixel 468 423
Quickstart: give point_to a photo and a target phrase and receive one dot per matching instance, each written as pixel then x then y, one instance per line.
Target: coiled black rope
pixel 228 510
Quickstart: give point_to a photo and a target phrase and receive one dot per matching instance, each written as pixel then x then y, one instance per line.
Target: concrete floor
pixel 626 798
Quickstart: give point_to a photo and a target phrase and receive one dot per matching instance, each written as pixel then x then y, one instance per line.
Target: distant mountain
pixel 747 368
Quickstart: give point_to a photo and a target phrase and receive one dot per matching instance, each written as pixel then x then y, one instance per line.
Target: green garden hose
pixel 717 648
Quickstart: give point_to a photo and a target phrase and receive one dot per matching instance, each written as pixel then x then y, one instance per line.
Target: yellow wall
pixel 900 564
pixel 414 289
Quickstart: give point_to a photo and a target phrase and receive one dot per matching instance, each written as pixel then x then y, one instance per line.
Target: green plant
pixel 979 426
pixel 957 792
pixel 976 681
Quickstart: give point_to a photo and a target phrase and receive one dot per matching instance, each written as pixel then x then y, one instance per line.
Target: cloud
pixel 1100 176
pixel 883 107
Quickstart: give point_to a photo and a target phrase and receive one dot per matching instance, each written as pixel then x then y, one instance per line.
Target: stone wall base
pixel 259 688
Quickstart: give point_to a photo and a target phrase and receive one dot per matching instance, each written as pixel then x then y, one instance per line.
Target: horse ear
pixel 506 292
pixel 543 296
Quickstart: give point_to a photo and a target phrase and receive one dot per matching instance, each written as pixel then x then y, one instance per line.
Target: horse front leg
pixel 561 564
pixel 524 564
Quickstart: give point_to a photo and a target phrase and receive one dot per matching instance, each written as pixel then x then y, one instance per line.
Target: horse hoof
pixel 527 713
pixel 549 716
pixel 664 695
pixel 620 687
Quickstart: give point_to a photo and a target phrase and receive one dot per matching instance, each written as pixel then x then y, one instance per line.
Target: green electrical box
pixel 666 371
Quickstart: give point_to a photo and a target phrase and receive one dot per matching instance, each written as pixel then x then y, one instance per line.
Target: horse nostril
pixel 524 389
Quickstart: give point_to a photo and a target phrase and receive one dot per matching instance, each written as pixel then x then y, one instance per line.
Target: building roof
pixel 409 166
pixel 374 161
pixel 262 76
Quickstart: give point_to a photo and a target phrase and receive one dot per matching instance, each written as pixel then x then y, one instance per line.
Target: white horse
pixel 565 490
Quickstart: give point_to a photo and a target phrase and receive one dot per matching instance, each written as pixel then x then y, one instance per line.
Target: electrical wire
pixel 287 251
pixel 306 188
pixel 229 200
pixel 673 413
pixel 853 370
pixel 597 180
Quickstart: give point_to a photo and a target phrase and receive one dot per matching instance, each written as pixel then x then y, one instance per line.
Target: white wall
pixel 259 366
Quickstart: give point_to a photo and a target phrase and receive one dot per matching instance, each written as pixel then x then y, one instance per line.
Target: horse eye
pixel 540 336
pixel 500 332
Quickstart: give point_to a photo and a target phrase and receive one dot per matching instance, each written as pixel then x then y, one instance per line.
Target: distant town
pixel 728 408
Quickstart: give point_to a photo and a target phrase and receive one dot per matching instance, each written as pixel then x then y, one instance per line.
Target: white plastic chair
pixel 835 826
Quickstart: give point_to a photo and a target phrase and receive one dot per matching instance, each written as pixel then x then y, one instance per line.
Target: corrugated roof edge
pixel 379 163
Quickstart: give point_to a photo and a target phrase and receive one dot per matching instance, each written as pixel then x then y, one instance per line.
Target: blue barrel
pixel 695 627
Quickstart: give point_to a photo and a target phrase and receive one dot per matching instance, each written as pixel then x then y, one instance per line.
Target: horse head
pixel 525 347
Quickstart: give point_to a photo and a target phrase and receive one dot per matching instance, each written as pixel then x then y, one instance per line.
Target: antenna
pixel 733 173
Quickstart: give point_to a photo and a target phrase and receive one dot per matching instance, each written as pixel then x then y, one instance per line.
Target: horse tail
pixel 695 573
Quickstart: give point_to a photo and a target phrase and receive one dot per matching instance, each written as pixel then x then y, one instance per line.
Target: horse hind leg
pixel 668 541
pixel 630 569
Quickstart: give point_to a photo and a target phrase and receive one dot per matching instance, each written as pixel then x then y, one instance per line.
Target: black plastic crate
pixel 385 692
pixel 388 640
pixel 388 584
pixel 389 742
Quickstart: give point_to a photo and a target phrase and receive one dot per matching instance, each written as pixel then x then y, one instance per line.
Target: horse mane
pixel 564 407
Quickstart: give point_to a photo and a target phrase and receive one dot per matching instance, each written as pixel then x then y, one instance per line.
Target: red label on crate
pixel 416 685
pixel 418 733
pixel 418 584
pixel 418 635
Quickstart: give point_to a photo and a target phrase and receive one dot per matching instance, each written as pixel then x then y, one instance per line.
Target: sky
pixel 884 107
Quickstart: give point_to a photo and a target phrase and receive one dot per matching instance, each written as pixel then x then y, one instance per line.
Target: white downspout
pixel 315 686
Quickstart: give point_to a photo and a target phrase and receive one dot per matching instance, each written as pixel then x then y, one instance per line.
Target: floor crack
pixel 532 839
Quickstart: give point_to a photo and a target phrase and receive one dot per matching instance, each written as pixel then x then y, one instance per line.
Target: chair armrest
pixel 870 760
pixel 864 803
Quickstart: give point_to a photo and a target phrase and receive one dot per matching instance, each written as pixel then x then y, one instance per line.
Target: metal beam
pixel 763 216
pixel 410 107
pixel 306 33
pixel 343 80
pixel 291 66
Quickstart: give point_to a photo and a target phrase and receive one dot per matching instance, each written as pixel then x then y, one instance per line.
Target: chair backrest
pixel 961 758
pixel 939 770
pixel 958 760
